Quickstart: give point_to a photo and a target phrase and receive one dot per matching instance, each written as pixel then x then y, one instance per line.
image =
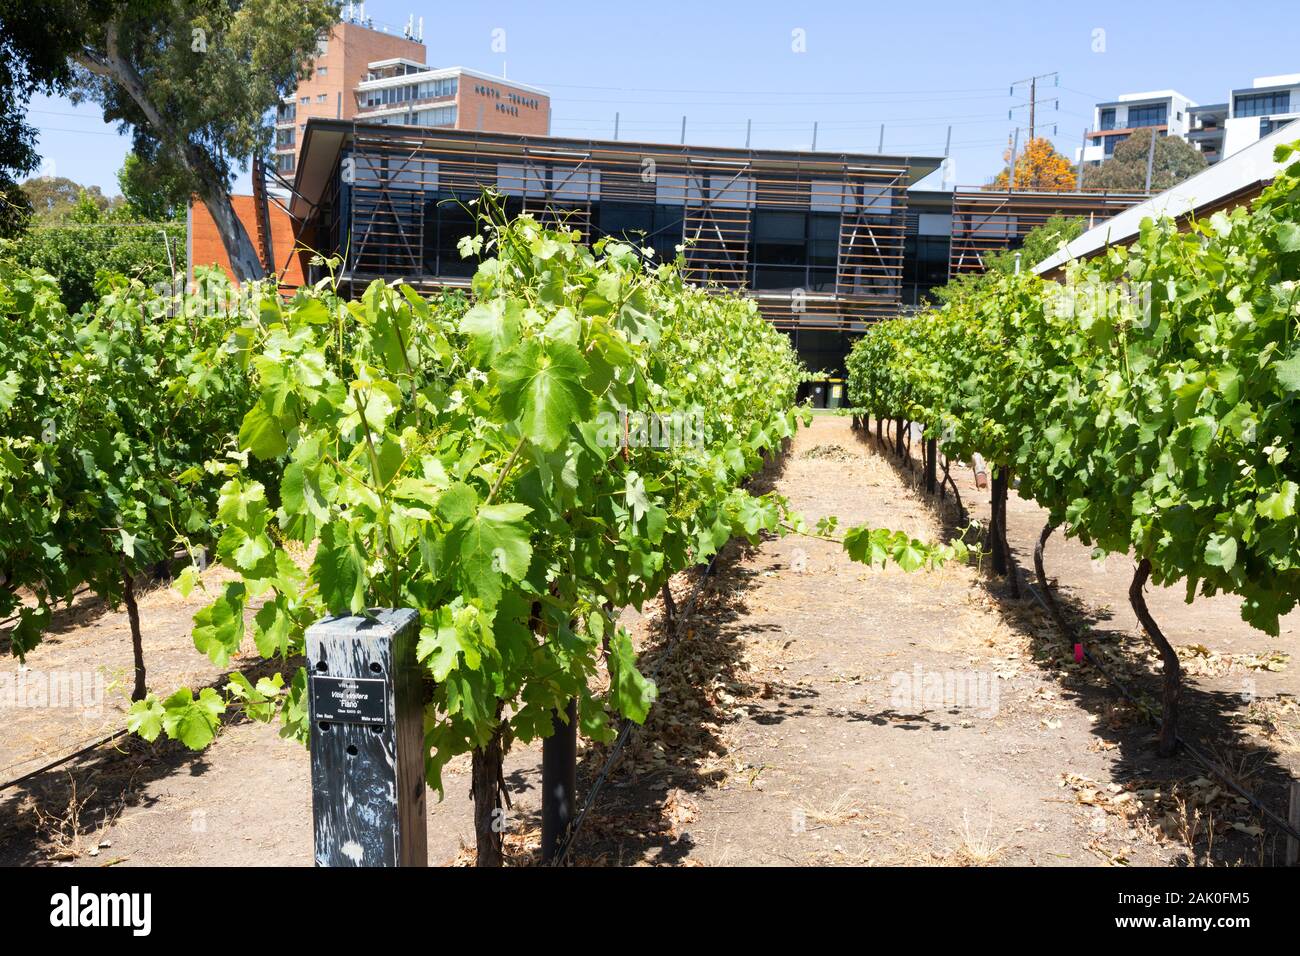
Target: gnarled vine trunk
pixel 1049 595
pixel 488 789
pixel 1168 741
pixel 139 691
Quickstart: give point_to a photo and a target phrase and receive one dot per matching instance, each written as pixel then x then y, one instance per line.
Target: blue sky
pixel 915 67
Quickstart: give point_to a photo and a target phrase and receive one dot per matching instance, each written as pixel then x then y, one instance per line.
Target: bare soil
pixel 813 712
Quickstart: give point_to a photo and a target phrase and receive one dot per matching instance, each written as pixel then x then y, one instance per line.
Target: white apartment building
pixel 1218 130
pixel 1166 111
pixel 1269 103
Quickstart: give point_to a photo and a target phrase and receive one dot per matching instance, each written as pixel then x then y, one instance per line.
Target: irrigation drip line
pixel 1205 761
pixel 64 759
pixel 625 733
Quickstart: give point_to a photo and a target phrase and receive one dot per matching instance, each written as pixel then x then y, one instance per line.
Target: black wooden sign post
pixel 367 740
pixel 559 780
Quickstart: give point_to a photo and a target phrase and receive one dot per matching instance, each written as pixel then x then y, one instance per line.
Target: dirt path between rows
pixel 816 712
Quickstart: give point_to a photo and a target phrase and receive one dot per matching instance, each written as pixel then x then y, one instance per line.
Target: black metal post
pixel 367 740
pixel 931 464
pixel 559 780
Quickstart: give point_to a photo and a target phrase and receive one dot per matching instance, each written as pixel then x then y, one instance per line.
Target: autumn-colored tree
pixel 1040 167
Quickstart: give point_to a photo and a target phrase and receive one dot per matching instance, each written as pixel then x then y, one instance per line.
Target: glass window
pixel 1155 115
pixel 646 224
pixel 1108 118
pixel 1263 104
pixel 795 250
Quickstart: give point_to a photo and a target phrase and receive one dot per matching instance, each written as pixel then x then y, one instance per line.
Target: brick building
pixel 366 72
pixel 373 73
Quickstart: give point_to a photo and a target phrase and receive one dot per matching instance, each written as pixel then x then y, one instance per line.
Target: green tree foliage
pixel 56 199
pixel 1126 171
pixel 35 36
pixel 155 190
pixel 195 80
pixel 85 242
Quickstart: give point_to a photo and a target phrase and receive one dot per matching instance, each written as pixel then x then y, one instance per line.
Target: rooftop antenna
pixel 420 35
pixel 410 25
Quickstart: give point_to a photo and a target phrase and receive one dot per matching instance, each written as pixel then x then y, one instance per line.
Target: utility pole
pixel 1032 103
pixel 1082 154
pixel 1151 158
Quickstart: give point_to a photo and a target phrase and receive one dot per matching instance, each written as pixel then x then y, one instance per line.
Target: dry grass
pixel 838 812
pixel 975 849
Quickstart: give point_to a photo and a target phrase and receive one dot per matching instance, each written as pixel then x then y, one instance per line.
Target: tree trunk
pixel 244 262
pixel 1013 573
pixel 137 644
pixel 212 187
pixel 1168 741
pixel 487 787
pixel 898 437
pixel 1049 595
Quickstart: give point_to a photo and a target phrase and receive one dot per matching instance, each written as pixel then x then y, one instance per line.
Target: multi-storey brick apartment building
pixel 371 72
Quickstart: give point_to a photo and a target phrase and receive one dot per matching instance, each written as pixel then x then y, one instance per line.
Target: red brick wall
pixel 349 49
pixel 206 248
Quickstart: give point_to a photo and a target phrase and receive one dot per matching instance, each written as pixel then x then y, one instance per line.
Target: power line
pixel 651 89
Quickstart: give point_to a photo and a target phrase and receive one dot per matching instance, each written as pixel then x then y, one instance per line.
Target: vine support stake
pixel 365 693
pixel 931 465
pixel 1168 741
pixel 559 779
pixel 997 508
pixel 1293 819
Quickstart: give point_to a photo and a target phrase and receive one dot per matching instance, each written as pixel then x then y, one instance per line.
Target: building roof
pixel 1229 182
pixel 324 140
pixel 427 72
